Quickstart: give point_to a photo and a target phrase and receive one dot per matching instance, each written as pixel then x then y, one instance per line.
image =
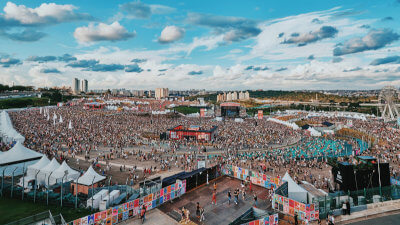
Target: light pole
pixel 12 181
pixel 76 193
pixel 48 185
pixel 2 181
pixel 23 181
pixel 109 197
pixel 62 184
pixel 34 190
pixel 94 177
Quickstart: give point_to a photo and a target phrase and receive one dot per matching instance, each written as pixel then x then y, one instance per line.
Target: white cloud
pixel 102 32
pixel 170 34
pixel 268 44
pixel 44 14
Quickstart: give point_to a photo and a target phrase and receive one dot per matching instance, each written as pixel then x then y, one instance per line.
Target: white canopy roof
pixel 59 173
pixel 33 169
pixel 295 191
pixel 89 175
pixel 18 153
pixel 7 131
pixel 45 171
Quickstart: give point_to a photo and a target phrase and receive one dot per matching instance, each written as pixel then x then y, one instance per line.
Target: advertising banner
pixel 120 213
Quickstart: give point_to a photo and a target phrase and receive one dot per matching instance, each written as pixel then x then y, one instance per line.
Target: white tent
pixel 295 191
pixel 59 173
pixel 292 125
pixel 33 169
pixel 90 176
pixel 46 171
pixel 314 132
pixel 7 131
pixel 18 154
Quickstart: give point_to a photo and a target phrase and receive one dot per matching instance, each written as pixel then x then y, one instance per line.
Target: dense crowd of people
pixel 106 135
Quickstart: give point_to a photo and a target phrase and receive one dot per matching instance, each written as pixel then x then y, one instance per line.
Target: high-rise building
pixel 84 86
pixel 161 93
pixel 234 96
pixel 75 86
pixel 247 95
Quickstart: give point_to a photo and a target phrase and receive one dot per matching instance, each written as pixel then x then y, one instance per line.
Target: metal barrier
pixel 334 201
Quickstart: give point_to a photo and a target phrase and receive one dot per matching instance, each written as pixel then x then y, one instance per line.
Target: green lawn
pixel 12 209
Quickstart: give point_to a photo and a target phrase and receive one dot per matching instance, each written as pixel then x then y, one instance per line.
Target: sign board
pixel 202 112
pixel 260 114
pixel 201 164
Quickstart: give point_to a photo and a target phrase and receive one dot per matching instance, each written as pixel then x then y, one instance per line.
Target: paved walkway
pixel 374 210
pixel 153 217
pixel 222 213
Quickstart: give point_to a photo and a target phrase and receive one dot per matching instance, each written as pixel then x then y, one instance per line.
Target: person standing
pixel 255 200
pixel 143 213
pixel 244 194
pixel 198 211
pixel 296 221
pixel 348 207
pixel 236 194
pixel 229 197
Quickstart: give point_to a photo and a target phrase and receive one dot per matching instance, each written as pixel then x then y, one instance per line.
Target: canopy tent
pixel 295 191
pixel 314 132
pixel 64 169
pixel 18 154
pixel 33 169
pixel 89 177
pixel 7 131
pixel 289 124
pixel 45 172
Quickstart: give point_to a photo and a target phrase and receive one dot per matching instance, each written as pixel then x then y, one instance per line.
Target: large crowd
pixel 128 136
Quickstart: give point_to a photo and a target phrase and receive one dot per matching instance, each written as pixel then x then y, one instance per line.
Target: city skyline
pixel 285 45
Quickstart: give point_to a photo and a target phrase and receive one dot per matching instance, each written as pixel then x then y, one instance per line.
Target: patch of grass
pixel 187 109
pixel 13 209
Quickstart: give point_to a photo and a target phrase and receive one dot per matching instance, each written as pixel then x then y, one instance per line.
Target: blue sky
pixel 216 45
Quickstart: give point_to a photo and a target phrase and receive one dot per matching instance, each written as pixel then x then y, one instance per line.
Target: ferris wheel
pixel 387 101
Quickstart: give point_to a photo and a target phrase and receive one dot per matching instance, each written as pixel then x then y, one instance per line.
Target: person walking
pixel 214 198
pixel 202 218
pixel 255 200
pixel 143 213
pixel 244 194
pixel 229 197
pixel 236 194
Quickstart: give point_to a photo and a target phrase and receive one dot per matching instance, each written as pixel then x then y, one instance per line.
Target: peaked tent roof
pixel 45 171
pixel 87 177
pixel 34 168
pixel 17 154
pixel 59 173
pixel 52 166
pixel 292 185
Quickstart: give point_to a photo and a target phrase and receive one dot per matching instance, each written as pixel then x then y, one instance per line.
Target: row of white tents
pixel 288 124
pixel 48 173
pixel 7 131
